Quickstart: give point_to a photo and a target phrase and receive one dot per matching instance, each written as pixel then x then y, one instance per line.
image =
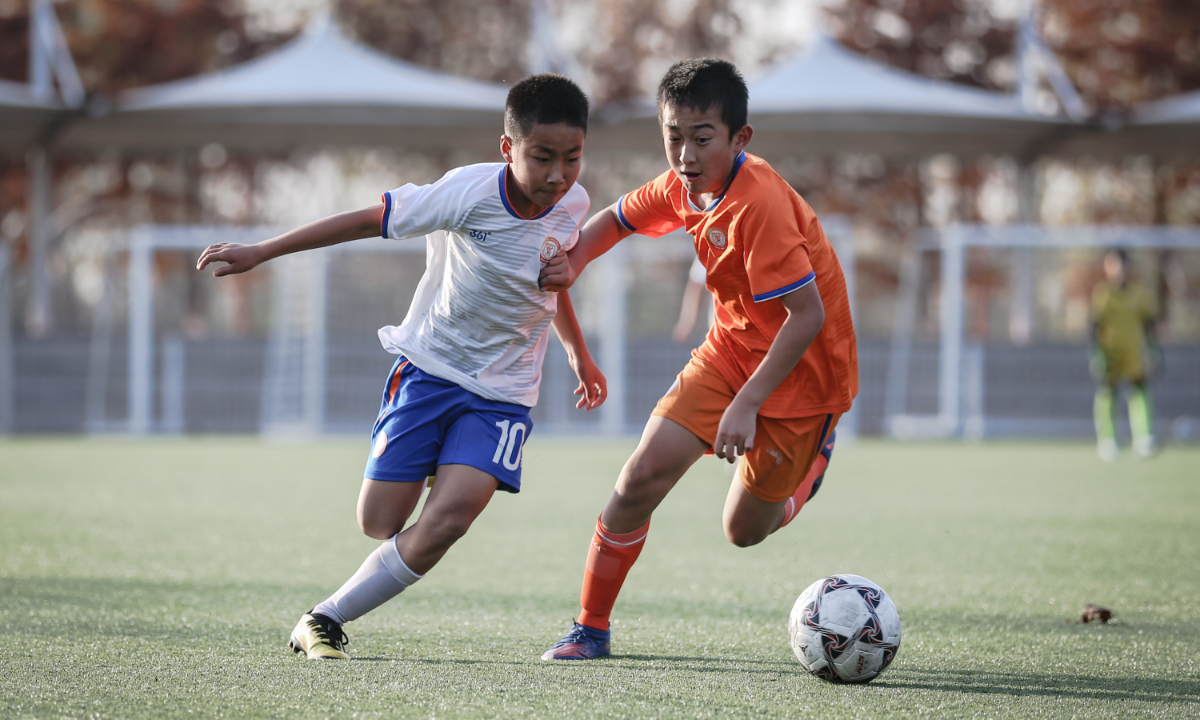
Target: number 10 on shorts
pixel 508 450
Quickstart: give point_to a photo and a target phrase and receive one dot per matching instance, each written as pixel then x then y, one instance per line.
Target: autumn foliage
pixel 121 44
pixel 1117 52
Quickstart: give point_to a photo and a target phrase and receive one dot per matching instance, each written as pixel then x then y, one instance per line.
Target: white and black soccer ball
pixel 844 628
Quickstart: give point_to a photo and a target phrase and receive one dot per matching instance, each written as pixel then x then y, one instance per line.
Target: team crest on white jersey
pixel 550 248
pixel 717 238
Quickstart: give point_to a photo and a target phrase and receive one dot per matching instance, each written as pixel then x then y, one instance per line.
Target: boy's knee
pixel 647 475
pixel 374 528
pixel 744 536
pixel 376 525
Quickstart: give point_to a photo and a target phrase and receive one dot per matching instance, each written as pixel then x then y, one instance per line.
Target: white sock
pixel 383 576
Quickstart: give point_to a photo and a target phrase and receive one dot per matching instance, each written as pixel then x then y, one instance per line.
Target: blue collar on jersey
pixel 737 165
pixel 507 205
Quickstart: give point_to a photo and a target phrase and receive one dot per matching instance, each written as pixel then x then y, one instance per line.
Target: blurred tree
pixel 639 39
pixel 483 39
pixel 1117 52
pixel 14 39
pixel 1121 52
pixel 632 41
pixel 120 44
pixel 958 40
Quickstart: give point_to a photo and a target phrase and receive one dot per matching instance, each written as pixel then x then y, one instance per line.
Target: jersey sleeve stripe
pixel 771 295
pixel 387 214
pixel 621 214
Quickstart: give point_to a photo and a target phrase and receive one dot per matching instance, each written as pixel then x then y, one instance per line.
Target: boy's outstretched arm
pixel 806 315
pixel 597 237
pixel 332 230
pixel 593 387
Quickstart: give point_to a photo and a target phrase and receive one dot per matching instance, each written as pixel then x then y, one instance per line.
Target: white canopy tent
pixel 24 116
pixel 28 112
pixel 1170 111
pixel 829 98
pixel 321 87
pixel 1168 128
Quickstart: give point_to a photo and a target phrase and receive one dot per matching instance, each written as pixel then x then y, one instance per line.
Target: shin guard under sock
pixel 383 576
pixel 609 559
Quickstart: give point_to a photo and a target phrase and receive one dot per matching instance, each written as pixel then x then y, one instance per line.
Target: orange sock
pixel 608 562
pixel 797 500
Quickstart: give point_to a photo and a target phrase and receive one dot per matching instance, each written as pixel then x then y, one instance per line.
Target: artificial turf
pixel 161 579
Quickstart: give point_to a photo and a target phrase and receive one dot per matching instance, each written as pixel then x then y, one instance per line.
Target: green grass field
pixel 161 579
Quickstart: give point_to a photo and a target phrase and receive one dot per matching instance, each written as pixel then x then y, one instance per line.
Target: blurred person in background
pixel 1124 349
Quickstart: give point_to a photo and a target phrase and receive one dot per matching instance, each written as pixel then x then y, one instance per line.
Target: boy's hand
pixel 735 434
pixel 593 387
pixel 239 258
pixel 557 275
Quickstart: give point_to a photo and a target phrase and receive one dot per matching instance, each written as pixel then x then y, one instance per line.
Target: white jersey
pixel 478 318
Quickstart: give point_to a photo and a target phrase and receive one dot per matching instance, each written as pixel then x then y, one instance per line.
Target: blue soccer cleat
pixel 582 643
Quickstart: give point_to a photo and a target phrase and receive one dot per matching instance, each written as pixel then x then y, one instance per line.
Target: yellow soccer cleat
pixel 320 638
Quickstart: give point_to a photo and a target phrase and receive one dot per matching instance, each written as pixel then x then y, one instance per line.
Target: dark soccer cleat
pixel 319 637
pixel 582 643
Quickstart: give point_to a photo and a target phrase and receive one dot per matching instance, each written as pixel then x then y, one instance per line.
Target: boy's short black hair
pixel 1121 253
pixel 706 83
pixel 544 99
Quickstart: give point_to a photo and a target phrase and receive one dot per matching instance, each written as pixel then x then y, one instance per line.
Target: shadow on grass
pixel 974 682
pixel 199 614
pixel 780 666
pixel 184 611
pixel 734 663
pixel 1082 687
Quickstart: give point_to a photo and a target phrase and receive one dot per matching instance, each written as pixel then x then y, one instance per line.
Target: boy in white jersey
pixel 456 403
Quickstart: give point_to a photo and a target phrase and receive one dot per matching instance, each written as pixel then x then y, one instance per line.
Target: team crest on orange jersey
pixel 717 238
pixel 550 248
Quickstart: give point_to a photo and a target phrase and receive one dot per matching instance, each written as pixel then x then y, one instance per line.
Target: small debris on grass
pixel 1095 612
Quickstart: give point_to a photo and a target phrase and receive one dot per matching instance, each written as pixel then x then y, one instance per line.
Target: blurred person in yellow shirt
pixel 1124 349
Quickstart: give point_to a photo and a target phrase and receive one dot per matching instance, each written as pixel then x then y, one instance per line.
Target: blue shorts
pixel 426 421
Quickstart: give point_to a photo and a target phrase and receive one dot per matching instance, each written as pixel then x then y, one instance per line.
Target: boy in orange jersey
pixel 777 369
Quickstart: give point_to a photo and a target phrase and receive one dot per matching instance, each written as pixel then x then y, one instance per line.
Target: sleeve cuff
pixel 621 215
pixel 387 214
pixel 786 288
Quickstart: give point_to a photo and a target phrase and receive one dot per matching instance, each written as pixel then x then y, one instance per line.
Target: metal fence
pixel 291 349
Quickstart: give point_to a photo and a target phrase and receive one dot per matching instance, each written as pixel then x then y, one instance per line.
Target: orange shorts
pixel 784 448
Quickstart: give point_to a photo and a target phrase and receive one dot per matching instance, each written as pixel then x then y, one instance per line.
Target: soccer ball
pixel 844 628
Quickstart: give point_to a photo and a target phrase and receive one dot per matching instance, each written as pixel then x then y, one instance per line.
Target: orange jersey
pixel 759 241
